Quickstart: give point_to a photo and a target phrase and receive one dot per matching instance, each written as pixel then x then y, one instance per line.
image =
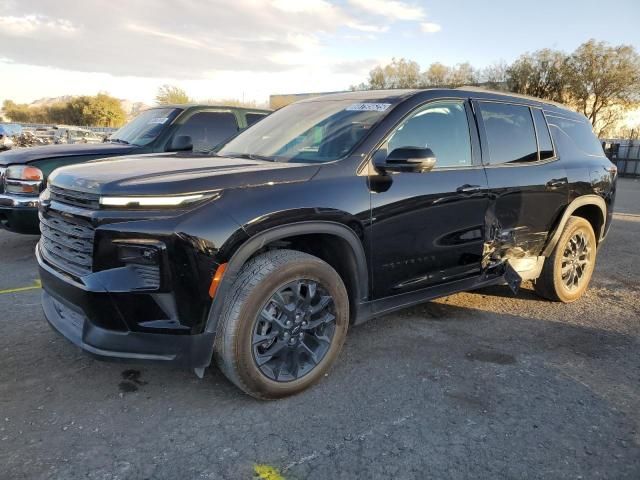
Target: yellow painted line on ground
pixel 36 285
pixel 267 472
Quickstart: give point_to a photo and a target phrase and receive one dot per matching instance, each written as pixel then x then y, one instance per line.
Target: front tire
pixel 566 273
pixel 284 324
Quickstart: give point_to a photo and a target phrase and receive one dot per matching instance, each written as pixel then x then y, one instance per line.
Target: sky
pixel 249 49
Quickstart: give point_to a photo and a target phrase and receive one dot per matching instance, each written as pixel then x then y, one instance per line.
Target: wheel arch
pixel 592 208
pixel 359 282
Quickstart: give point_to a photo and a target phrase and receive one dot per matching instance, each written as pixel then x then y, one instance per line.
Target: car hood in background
pixel 26 155
pixel 176 173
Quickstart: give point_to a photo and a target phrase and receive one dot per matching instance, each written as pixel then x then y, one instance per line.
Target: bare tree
pixel 494 76
pixel 462 74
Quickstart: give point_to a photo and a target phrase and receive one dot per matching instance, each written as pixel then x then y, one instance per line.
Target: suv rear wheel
pixel 283 326
pixel 567 272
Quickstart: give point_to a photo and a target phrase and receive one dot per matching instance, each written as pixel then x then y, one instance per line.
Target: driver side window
pixel 441 126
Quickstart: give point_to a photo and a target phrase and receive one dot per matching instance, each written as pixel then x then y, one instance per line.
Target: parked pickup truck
pixel 327 213
pixel 24 172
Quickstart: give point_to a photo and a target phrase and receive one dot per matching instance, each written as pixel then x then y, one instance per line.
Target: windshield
pixel 317 131
pixel 145 127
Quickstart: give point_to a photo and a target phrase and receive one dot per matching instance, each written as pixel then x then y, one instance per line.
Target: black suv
pixel 327 213
pixel 23 172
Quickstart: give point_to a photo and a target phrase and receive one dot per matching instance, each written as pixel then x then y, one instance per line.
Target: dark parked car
pixel 24 172
pixel 327 213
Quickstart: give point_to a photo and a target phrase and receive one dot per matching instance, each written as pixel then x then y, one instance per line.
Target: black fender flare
pixel 572 207
pixel 255 243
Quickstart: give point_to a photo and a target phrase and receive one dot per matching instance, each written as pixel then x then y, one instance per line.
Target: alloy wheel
pixel 294 330
pixel 576 260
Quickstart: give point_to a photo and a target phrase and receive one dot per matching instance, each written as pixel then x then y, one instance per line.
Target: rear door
pixel 528 185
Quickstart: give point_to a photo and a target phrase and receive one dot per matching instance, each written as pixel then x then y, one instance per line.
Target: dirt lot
pixel 476 385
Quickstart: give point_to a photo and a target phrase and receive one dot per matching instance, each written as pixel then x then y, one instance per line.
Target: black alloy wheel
pixel 294 330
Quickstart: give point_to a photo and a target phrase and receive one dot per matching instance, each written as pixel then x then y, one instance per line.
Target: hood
pixel 176 173
pixel 26 155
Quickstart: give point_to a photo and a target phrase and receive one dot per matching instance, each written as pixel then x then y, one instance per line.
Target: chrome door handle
pixel 556 182
pixel 469 188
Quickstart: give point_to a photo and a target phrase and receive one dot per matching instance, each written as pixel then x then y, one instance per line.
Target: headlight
pixel 23 179
pixel 168 201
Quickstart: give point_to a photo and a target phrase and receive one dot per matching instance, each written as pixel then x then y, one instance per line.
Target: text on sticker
pixel 368 107
pixel 160 120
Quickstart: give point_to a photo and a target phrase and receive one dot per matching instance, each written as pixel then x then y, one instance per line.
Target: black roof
pixel 396 96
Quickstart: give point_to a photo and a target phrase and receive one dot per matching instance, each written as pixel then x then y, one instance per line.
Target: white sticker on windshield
pixel 160 120
pixel 368 107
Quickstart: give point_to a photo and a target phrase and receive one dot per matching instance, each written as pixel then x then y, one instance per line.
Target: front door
pixel 428 228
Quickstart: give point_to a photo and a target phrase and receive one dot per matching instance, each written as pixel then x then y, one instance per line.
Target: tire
pixel 577 258
pixel 254 346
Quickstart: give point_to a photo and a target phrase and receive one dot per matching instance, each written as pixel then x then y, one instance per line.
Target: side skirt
pixel 375 308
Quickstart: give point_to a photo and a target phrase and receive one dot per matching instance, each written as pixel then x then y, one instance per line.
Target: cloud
pixel 368 28
pixel 307 6
pixel 34 24
pixel 391 9
pixel 172 38
pixel 429 27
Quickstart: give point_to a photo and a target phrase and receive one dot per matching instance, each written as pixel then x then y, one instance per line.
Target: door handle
pixel 556 183
pixel 466 188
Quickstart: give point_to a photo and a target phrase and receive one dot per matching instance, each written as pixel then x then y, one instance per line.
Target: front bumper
pixel 71 309
pixel 19 213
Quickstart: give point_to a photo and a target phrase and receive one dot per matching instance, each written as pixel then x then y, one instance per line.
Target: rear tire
pixel 284 324
pixel 566 273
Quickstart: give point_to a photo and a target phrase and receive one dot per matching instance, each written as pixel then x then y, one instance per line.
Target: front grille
pixel 67 242
pixel 2 174
pixel 75 198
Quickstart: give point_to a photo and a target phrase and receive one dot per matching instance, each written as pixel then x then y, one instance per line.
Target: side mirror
pixel 408 159
pixel 182 143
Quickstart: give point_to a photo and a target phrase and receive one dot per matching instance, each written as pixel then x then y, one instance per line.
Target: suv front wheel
pixel 284 324
pixel 567 272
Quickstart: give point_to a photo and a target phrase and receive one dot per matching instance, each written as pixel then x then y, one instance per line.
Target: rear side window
pixel 544 137
pixel 510 133
pixel 575 136
pixel 208 129
pixel 254 118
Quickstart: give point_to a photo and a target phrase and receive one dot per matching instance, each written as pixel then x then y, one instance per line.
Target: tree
pixel 437 75
pixel 99 110
pixel 171 95
pixel 462 74
pixel 103 110
pixel 16 112
pixel 494 76
pixel 398 74
pixel 603 82
pixel 540 74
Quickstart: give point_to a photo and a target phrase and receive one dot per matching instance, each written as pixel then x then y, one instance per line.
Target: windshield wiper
pixel 249 156
pixel 119 140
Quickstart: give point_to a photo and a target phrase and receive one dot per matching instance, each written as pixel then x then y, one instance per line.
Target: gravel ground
pixel 475 385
